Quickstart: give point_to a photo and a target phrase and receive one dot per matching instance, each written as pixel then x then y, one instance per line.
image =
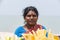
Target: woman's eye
pixel 28 15
pixel 34 15
pixel 31 15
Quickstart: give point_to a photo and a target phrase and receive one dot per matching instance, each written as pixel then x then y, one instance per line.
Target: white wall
pixel 11 13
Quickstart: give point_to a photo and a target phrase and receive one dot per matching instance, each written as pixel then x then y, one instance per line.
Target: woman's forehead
pixel 31 13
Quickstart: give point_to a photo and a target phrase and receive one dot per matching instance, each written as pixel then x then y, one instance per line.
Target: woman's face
pixel 31 18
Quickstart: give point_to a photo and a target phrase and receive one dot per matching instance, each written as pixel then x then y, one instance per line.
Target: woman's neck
pixel 29 26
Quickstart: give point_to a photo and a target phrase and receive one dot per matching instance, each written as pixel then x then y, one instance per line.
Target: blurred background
pixel 11 12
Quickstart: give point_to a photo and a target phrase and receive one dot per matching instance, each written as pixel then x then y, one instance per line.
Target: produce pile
pixel 39 35
pixel 35 35
pixel 8 36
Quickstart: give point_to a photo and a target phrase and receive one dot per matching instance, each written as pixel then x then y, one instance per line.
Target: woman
pixel 30 16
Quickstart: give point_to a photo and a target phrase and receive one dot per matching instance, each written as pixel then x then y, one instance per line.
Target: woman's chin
pixel 32 24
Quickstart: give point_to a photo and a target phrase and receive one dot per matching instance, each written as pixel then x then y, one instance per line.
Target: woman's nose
pixel 31 17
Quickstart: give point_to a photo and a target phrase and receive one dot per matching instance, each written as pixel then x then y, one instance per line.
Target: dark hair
pixel 27 9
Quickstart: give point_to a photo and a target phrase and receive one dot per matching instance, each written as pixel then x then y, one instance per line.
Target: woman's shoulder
pixel 43 26
pixel 20 28
pixel 19 31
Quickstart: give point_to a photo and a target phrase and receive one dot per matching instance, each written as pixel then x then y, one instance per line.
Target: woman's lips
pixel 32 21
